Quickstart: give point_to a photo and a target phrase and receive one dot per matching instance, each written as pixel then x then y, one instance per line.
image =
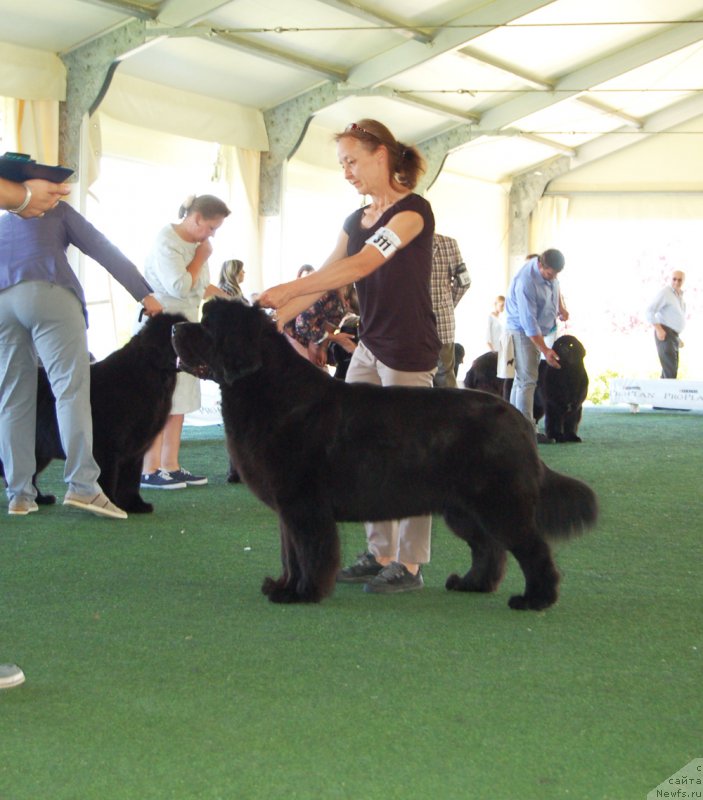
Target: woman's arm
pixel 289 309
pixel 340 269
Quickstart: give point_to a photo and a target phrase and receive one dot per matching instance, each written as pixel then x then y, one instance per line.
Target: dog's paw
pixel 45 499
pixel 135 505
pixel 279 591
pixel 521 602
pixel 455 583
pixel 268 586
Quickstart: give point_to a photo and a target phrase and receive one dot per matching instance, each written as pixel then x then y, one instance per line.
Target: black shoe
pixel 395 578
pixel 361 571
pixel 542 438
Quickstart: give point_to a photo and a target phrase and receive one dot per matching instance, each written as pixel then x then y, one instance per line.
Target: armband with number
pixel 385 241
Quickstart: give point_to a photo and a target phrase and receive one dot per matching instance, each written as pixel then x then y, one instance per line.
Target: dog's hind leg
pixel 310 556
pixel 571 424
pixel 541 576
pixel 487 554
pixel 41 498
pixel 126 487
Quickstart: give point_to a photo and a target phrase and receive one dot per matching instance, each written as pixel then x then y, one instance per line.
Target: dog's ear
pixel 242 342
pixel 154 340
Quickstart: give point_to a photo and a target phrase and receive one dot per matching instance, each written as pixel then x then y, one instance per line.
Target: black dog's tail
pixel 567 507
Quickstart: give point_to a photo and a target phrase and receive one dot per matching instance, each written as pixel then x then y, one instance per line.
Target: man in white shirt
pixel 667 313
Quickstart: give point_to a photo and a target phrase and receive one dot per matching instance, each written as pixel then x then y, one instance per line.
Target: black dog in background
pixel 130 397
pixel 320 451
pixel 563 391
pixel 560 393
pixel 482 375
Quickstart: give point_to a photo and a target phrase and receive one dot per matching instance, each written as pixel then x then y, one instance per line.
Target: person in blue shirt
pixel 531 309
pixel 43 313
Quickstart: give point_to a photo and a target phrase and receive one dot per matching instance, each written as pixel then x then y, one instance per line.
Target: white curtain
pixel 162 108
pixel 32 74
pixel 547 223
pixel 32 127
pixel 242 177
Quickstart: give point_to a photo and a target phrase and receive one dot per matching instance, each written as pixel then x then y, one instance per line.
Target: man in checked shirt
pixel 450 280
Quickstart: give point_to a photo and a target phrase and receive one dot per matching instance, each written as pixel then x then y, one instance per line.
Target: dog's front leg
pixel 310 556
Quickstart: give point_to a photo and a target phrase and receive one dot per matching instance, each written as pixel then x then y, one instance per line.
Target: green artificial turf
pixel 156 668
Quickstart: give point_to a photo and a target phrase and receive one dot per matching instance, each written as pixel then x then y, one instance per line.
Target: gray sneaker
pixel 395 578
pixel 361 571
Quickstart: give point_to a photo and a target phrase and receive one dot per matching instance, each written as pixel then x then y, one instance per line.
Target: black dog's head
pixel 481 374
pixel 226 345
pixel 570 350
pixel 154 338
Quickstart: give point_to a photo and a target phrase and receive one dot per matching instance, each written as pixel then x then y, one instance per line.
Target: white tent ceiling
pixel 518 81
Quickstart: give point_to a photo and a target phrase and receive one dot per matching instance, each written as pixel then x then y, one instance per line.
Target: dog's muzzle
pixel 201 371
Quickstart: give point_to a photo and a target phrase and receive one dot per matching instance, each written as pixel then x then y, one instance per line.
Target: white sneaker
pixel 21 506
pixel 10 675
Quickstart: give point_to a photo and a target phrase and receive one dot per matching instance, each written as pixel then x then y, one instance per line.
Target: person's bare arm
pixel 338 270
pixel 31 198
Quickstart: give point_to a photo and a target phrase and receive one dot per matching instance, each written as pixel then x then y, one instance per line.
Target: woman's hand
pixel 214 291
pixel 344 340
pixel 317 354
pixel 276 296
pixel 45 196
pixel 151 305
pixel 204 250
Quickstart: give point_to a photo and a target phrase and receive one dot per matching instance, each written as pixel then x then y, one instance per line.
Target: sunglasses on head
pixel 354 128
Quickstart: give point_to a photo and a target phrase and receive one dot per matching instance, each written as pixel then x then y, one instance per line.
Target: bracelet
pixel 27 200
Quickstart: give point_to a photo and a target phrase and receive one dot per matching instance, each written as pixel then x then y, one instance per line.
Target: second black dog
pixel 130 397
pixel 560 393
pixel 564 390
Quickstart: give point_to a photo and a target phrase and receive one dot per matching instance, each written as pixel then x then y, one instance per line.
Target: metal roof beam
pixel 504 66
pixel 136 10
pixel 180 12
pixel 456 33
pixel 659 122
pixel 353 8
pixel 597 72
pixel 256 48
pixel 609 111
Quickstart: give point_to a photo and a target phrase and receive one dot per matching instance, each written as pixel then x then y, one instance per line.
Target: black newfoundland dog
pixel 317 451
pixel 564 390
pixel 482 375
pixel 130 397
pixel 560 393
